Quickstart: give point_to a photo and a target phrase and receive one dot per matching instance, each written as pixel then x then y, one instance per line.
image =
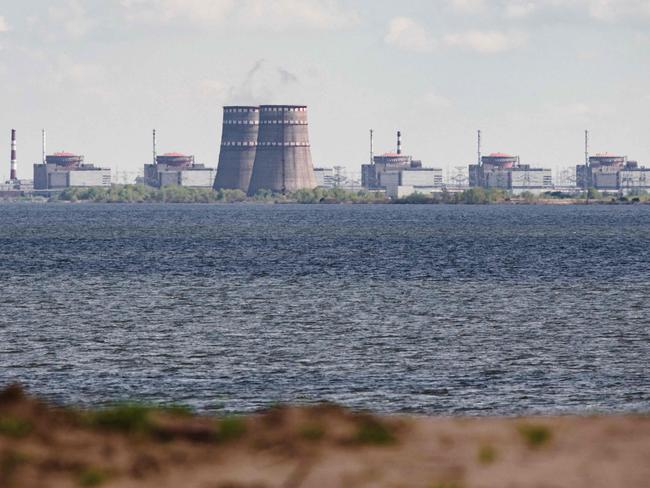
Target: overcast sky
pixel 532 74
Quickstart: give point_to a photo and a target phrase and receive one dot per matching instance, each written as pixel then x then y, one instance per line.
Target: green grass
pixel 127 418
pixel 312 432
pixel 487 454
pixel 92 477
pixel 14 427
pixel 231 428
pixel 535 435
pixel 374 432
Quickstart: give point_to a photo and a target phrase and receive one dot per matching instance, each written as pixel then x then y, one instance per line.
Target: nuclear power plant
pixel 238 147
pixel 265 148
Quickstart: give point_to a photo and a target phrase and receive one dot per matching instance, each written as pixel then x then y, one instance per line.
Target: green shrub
pixel 372 431
pixel 127 417
pixel 312 432
pixel 535 435
pixel 14 427
pixel 487 454
pixel 231 428
pixel 92 477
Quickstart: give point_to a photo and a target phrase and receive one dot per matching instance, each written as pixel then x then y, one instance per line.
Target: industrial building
pixel 238 147
pixel 325 177
pixel 505 172
pixel 176 169
pixel 613 173
pixel 406 181
pixel 64 170
pixel 283 155
pixel 399 174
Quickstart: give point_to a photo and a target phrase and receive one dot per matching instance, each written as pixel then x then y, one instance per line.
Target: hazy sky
pixel 532 74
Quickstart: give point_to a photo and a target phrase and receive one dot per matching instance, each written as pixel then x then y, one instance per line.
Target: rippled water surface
pixel 432 309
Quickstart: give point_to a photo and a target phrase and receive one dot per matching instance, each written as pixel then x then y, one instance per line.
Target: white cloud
pixel 486 42
pixel 435 100
pixel 600 10
pixel 613 10
pixel 407 34
pixel 283 14
pixel 71 16
pixel 468 6
pixel 270 15
pixel 197 11
pixel 4 26
pixel 517 9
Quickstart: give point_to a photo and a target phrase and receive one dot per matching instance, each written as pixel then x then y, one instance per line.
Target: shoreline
pixel 313 446
pixel 331 196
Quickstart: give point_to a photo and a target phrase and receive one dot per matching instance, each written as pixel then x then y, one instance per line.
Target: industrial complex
pixel 267 147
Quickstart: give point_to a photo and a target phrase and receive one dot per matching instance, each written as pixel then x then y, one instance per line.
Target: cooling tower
pixel 283 158
pixel 238 145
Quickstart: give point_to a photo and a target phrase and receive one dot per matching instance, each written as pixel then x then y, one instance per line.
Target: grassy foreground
pixel 317 446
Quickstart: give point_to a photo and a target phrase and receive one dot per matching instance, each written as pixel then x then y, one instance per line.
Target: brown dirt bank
pixel 320 446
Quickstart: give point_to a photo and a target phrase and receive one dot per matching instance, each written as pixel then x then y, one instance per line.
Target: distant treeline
pixel 178 194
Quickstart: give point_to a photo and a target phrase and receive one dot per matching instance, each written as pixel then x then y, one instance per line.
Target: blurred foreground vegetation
pixel 472 196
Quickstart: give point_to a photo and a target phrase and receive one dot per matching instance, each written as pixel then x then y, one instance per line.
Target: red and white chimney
pixel 14 164
pixel 399 142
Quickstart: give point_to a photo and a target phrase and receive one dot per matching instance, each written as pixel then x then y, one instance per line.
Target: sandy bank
pixel 321 446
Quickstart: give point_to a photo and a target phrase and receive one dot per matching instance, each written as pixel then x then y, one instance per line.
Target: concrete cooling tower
pixel 283 157
pixel 238 147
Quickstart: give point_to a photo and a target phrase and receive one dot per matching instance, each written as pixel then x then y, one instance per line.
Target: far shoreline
pixel 140 194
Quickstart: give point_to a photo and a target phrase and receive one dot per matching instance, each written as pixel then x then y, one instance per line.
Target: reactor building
pixel 176 169
pixel 238 147
pixel 265 148
pixel 505 172
pixel 609 172
pixel 399 174
pixel 65 170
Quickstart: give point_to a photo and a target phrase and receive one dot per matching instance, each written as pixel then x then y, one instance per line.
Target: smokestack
pixel 479 147
pixel 154 146
pixel 372 150
pixel 44 148
pixel 399 142
pixel 12 175
pixel 586 148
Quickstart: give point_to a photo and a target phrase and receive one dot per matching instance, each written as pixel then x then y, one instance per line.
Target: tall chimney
pixel 154 146
pixel 479 147
pixel 44 144
pixel 12 175
pixel 586 148
pixel 399 142
pixel 372 149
